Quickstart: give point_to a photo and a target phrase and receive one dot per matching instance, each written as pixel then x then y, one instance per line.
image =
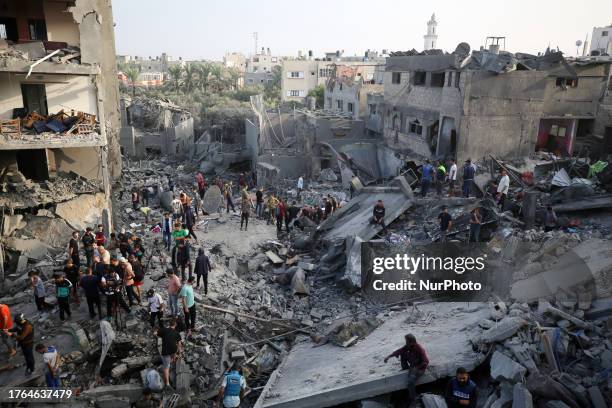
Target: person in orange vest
pixel 6 323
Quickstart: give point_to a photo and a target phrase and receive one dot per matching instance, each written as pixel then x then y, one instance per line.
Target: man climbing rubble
pixel 446 223
pixel 52 361
pixel 232 388
pixel 461 391
pixel 414 359
pixel 378 214
pixel 171 347
pixel 23 332
pixel 202 267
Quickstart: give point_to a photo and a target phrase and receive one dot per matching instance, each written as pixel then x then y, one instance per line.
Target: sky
pixel 205 29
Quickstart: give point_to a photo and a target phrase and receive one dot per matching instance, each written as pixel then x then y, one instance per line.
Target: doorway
pixel 33 164
pixel 34 98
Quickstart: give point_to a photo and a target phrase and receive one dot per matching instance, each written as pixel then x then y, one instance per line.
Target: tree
pixel 272 88
pixel 234 76
pixel 203 73
pixel 319 94
pixel 132 74
pixel 176 75
pixel 216 72
pixel 189 78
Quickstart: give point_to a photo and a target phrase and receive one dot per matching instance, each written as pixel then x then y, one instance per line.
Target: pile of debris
pixel 24 125
pixel 155 114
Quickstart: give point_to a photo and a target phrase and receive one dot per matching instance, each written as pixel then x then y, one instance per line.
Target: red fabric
pixel 6 321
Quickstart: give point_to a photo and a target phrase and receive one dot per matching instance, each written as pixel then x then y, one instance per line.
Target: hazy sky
pixel 204 29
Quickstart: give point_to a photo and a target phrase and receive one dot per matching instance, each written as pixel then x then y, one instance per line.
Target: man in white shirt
pixel 452 178
pixel 300 186
pixel 51 359
pixel 156 306
pixel 502 188
pixel 177 208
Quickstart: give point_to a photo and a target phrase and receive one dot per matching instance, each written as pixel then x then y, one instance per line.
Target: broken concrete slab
pixel 299 284
pixel 502 330
pixel 32 248
pixel 12 223
pixel 275 259
pixel 51 231
pixel 317 376
pixel 586 263
pixel 504 368
pixel 521 397
pixel 82 211
pixel 133 392
pixel 433 401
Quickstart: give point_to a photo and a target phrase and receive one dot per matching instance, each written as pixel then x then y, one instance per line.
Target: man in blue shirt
pixel 461 391
pixel 232 388
pixel 468 177
pixel 427 173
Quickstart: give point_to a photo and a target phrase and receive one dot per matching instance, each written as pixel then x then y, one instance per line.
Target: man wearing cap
pixel 468 177
pixel 188 302
pixel 23 332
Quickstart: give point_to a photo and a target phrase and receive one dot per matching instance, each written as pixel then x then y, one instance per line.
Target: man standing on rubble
pixel 39 291
pixel 245 208
pixel 62 290
pixel 201 184
pixel 202 267
pixel 88 241
pixel 73 248
pixel 259 202
pixel 446 223
pixel 100 236
pixel 177 208
pixel 280 215
pixel 378 214
pixel 452 178
pixel 550 219
pixel 166 225
pixel 188 301
pixel 414 359
pixel 468 177
pixel 300 187
pixel 111 285
pixel 232 388
pixel 440 177
pixel 52 361
pixel 171 346
pixel 23 332
pixel 174 286
pixel 461 391
pixel 427 173
pixel 73 274
pixel 227 192
pixel 135 199
pixel 502 189
pixel 475 223
pixel 91 286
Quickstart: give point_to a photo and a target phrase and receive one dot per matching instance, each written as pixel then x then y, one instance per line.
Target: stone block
pixel 504 368
pixel 433 401
pixel 521 397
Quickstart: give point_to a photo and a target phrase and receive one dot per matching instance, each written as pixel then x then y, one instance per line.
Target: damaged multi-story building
pixel 470 105
pixel 59 123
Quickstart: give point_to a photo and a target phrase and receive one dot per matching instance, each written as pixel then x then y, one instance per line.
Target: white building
pixel 431 38
pixel 600 40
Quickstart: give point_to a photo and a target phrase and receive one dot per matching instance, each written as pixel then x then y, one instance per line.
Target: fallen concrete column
pixel 546 307
pixel 504 368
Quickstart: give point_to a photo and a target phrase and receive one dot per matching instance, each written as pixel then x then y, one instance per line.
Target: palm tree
pixel 203 72
pixel 132 74
pixel 189 78
pixel 216 71
pixel 235 76
pixel 176 74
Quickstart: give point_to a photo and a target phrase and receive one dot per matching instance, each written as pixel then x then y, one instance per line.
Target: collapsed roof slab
pixel 330 375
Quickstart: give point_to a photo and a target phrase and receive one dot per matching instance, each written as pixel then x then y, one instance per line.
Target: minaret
pixel 431 37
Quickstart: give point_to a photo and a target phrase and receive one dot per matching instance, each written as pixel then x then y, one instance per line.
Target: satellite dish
pixel 578 43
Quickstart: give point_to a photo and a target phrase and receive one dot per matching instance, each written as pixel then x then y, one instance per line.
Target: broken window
pixel 567 82
pixel 449 79
pixel 339 105
pixel 604 33
pixel 372 109
pixel 396 77
pixel 312 73
pixel 349 107
pixel 437 79
pixel 34 98
pixel 457 77
pixel 419 77
pixel 8 29
pixel 415 127
pixel 38 30
pixel 556 130
pixel 33 164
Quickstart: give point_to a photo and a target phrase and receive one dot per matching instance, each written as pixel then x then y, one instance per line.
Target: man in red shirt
pixel 100 237
pixel 6 323
pixel 414 359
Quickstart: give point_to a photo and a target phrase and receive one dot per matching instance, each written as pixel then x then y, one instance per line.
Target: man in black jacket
pixel 378 214
pixel 202 267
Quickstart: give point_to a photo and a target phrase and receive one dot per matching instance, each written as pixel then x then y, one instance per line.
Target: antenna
pixel 255 38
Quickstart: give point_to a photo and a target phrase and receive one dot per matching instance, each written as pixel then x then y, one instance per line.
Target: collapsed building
pixel 469 105
pixel 59 117
pixel 152 126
